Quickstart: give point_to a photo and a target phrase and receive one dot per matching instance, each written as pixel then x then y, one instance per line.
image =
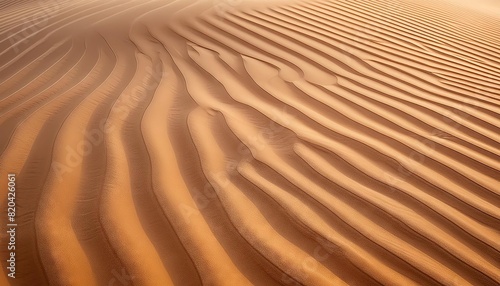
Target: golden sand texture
pixel 329 142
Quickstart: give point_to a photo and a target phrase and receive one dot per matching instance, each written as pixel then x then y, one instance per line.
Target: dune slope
pixel 328 142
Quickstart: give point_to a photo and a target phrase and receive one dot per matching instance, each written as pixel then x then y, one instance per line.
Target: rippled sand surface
pixel 331 142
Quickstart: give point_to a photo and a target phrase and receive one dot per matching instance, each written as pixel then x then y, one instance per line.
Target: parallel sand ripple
pixel 328 142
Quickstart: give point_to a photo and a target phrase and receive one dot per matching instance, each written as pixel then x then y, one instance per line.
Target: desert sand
pixel 231 142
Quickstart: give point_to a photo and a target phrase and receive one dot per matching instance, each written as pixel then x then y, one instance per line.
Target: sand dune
pixel 329 142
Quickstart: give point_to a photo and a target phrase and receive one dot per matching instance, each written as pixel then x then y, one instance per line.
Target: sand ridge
pixel 329 142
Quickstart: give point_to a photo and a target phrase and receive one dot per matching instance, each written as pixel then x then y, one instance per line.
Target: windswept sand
pixel 332 142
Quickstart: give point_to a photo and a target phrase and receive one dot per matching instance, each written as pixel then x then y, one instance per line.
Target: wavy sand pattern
pixel 331 142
